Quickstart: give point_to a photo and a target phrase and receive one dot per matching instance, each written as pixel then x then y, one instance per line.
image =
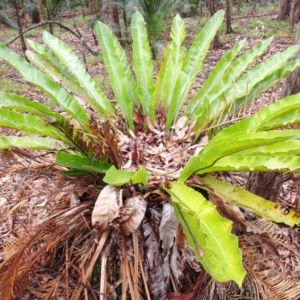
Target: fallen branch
pixel 60 25
pixel 253 16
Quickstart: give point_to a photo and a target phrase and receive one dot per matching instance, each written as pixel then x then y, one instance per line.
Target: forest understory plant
pixel 141 211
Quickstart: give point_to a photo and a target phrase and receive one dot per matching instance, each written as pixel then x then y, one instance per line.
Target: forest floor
pixel 247 25
pixel 254 26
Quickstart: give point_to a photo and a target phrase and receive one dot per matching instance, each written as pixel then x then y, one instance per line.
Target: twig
pixel 60 25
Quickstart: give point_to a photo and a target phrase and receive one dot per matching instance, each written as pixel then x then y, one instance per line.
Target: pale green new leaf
pixel 236 69
pixel 46 61
pixel 142 64
pixel 52 89
pixel 217 234
pixel 251 79
pixel 30 142
pixel 117 177
pixel 113 55
pixel 171 66
pixel 8 100
pixel 215 76
pixel 262 86
pixel 260 78
pixel 28 123
pixel 192 65
pixel 52 59
pixel 120 77
pixel 260 206
pixel 98 100
pixel 140 176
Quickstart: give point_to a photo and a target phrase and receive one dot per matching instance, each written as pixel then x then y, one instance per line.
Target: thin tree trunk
pixel 113 20
pixel 284 9
pixel 295 12
pixel 228 16
pixel 239 7
pixel 24 14
pixel 24 47
pixel 49 16
pixel 41 9
pixel 212 7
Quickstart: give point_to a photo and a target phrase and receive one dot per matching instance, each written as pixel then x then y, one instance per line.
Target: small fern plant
pixel 85 135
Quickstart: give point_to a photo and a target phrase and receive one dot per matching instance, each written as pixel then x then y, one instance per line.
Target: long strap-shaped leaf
pixel 193 65
pixel 280 113
pixel 171 65
pixel 50 56
pixel 120 77
pixel 260 206
pixel 98 100
pixel 262 86
pixel 282 163
pixel 52 89
pixel 28 123
pixel 213 229
pixel 251 80
pixel 82 163
pixel 215 76
pixel 30 142
pixel 142 64
pixel 231 75
pixel 19 103
pixel 256 76
pixel 46 61
pixel 234 143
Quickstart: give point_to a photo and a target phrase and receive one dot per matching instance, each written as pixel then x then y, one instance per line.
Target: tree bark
pixel 284 9
pixel 268 185
pixel 228 16
pixel 112 13
pixel 212 7
pixel 24 47
pixel 295 12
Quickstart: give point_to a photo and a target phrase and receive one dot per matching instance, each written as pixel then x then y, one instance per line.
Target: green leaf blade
pixel 120 77
pixel 171 66
pixel 142 64
pixel 81 163
pixel 30 142
pixel 216 228
pixel 52 89
pixel 214 77
pixel 192 65
pixel 98 100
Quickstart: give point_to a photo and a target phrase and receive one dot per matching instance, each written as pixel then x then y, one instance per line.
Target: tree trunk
pixel 268 185
pixel 49 16
pixel 41 9
pixel 212 7
pixel 24 47
pixel 239 7
pixel 284 9
pixel 112 13
pixel 292 83
pixel 228 16
pixel 295 12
